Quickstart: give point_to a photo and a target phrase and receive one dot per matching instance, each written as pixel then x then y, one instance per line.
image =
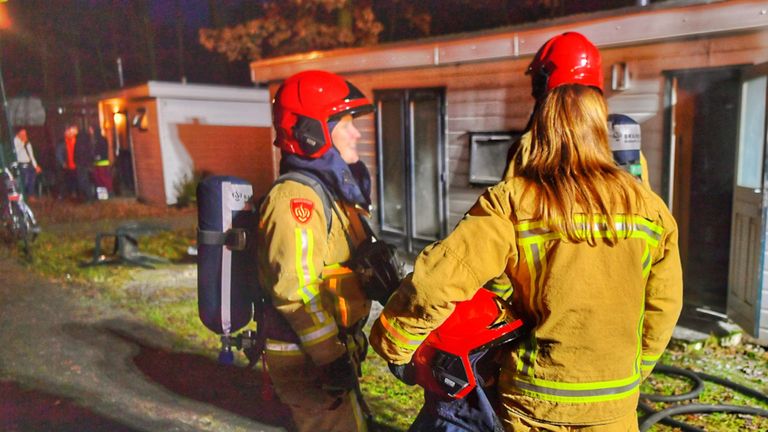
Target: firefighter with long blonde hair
pixel 590 251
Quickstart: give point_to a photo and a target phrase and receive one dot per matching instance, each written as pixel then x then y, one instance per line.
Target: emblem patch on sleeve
pixel 301 209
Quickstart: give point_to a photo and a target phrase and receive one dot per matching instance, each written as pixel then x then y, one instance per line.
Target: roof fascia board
pixel 163 89
pixel 159 89
pixel 633 27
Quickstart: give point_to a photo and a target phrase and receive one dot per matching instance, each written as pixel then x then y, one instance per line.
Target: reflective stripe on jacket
pixel 601 315
pixel 299 268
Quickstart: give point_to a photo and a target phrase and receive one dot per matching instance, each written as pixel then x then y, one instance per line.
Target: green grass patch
pixel 393 403
pixel 745 364
pixel 173 308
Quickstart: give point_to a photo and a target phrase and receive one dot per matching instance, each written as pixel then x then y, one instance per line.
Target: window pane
pixel 393 165
pixel 426 135
pixel 752 133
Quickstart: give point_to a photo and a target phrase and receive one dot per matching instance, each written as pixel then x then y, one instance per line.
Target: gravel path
pixel 70 366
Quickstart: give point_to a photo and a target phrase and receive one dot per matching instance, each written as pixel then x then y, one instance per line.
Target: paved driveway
pixel 66 366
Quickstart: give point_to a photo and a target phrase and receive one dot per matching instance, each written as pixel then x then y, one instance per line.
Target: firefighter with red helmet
pixel 591 254
pixel 316 305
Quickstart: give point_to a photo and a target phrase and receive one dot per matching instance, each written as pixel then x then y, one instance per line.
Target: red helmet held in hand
pixel 305 103
pixel 442 364
pixel 569 58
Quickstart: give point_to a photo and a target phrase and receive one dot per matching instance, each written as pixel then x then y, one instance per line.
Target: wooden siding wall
pixel 479 97
pixel 495 95
pixel 148 163
pixel 762 331
pixel 241 151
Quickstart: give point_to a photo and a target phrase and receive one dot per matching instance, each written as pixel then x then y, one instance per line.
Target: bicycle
pixel 17 222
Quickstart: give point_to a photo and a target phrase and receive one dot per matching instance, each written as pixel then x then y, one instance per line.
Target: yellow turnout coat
pixel 601 315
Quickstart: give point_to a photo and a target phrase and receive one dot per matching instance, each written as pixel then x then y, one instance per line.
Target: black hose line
pixel 669 421
pixel 665 416
pixel 698 385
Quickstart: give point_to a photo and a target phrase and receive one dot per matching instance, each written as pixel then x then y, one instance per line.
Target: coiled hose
pixel 665 416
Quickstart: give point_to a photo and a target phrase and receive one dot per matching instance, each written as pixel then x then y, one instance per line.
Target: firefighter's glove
pixel 404 372
pixel 379 267
pixel 339 376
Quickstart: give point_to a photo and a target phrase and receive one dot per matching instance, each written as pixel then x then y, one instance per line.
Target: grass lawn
pixel 164 299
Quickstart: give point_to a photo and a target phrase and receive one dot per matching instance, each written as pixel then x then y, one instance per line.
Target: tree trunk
pixel 77 70
pixel 180 40
pixel 344 18
pixel 48 90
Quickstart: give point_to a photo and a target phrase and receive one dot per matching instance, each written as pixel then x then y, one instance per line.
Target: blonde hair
pixel 569 165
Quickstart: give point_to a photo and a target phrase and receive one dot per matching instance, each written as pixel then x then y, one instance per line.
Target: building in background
pixel 693 73
pixel 163 134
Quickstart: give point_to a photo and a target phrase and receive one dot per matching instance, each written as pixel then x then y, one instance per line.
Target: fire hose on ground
pixel 665 416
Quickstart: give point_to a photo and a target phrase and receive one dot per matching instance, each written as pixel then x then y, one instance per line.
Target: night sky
pixel 57 49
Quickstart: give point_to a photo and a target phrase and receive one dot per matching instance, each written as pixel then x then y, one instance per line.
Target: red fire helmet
pixel 442 361
pixel 305 103
pixel 569 58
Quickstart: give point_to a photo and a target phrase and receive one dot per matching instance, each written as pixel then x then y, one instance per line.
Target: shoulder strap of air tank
pixel 316 185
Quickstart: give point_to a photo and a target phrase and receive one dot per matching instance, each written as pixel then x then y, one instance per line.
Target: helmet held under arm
pixel 305 103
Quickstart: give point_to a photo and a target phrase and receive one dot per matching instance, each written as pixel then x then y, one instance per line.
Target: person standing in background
pixel 28 167
pixel 102 173
pixel 65 159
pixel 83 156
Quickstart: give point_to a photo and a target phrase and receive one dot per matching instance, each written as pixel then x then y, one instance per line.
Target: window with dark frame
pixel 410 159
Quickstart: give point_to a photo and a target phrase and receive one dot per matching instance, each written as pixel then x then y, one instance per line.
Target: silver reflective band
pixel 578 393
pixel 272 345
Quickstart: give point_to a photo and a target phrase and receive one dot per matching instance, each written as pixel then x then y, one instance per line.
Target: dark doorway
pixel 704 128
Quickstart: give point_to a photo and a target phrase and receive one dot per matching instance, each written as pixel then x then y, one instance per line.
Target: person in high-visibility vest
pixel 316 303
pixel 591 254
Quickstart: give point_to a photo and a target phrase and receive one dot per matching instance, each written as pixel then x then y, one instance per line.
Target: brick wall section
pixel 148 165
pixel 240 151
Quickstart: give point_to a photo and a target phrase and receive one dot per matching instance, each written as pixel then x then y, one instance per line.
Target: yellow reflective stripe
pixel 357 411
pixel 578 392
pixel 651 231
pixel 639 344
pixel 638 227
pixel 537 236
pixel 532 272
pixel 528 356
pixel 531 225
pixel 520 354
pixel 276 347
pixel 315 335
pixel 649 362
pixel 501 290
pixel 305 267
pixel 101 163
pixel 315 310
pixel 646 261
pixel 400 337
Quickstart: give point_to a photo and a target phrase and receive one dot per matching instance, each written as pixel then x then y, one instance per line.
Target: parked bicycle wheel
pixel 18 221
pixel 22 227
